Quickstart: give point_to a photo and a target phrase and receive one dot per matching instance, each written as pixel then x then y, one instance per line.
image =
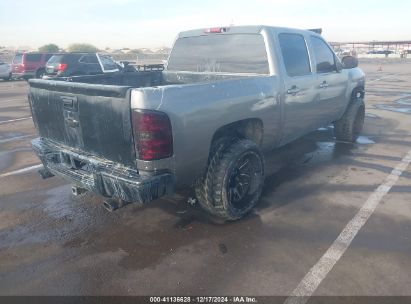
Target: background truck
pixel 227 96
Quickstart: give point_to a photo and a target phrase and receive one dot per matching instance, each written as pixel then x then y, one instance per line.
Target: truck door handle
pixel 324 85
pixel 293 91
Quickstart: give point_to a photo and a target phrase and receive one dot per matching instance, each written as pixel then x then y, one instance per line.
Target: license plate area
pixel 74 163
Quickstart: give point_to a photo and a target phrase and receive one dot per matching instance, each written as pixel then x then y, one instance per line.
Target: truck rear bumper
pixel 100 175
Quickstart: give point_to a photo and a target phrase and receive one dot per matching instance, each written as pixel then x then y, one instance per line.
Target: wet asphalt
pixel 52 243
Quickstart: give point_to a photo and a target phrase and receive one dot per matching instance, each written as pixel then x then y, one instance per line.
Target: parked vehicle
pixel 72 64
pixel 127 66
pixel 5 71
pixel 29 65
pixel 381 52
pixel 227 97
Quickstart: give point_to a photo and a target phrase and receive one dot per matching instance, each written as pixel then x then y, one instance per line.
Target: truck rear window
pixel 232 53
pixel 55 59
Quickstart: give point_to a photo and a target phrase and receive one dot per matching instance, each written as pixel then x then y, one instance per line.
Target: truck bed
pixel 150 78
pixel 92 113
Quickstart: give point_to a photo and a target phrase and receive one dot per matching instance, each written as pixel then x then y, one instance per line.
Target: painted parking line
pixel 13 120
pixel 319 271
pixel 23 98
pixel 24 170
pixel 381 78
pixel 2 141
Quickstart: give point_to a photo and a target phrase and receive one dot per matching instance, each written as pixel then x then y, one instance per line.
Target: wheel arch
pixel 251 128
pixel 357 92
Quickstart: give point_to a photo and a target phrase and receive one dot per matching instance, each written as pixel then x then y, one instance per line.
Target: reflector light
pixel 216 30
pixel 153 138
pixel 61 67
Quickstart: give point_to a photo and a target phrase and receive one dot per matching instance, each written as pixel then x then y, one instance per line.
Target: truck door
pixel 301 95
pixel 331 82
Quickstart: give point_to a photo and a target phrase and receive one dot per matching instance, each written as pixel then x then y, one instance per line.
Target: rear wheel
pixel 7 78
pixel 349 127
pixel 233 181
pixel 40 73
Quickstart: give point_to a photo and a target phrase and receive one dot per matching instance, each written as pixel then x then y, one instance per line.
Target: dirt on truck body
pixel 226 97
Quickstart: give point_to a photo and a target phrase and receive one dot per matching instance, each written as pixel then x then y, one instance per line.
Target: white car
pixel 5 71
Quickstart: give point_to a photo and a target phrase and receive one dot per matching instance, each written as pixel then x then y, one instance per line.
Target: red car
pixel 29 65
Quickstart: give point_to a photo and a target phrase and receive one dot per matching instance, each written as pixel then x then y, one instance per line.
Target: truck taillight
pixel 153 138
pixel 61 67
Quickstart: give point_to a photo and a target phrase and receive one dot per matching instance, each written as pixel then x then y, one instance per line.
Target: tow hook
pixel 112 204
pixel 78 190
pixel 44 173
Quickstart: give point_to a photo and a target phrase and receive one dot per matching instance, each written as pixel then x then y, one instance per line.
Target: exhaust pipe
pixel 78 190
pixel 114 204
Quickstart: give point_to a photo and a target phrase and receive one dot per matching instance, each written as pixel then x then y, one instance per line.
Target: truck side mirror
pixel 349 62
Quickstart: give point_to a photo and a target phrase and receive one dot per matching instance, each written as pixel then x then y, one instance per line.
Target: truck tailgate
pixel 92 118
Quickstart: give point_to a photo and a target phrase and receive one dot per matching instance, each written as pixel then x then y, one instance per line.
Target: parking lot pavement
pixel 52 243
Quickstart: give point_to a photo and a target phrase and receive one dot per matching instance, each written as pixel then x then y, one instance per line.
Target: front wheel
pixel 234 179
pixel 350 125
pixel 7 78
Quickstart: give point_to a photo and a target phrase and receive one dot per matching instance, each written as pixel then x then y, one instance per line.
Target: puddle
pixel 324 151
pixel 330 127
pixel 7 157
pixel 404 101
pixel 401 105
pixel 371 115
pixel 16 138
pixel 364 140
pixel 329 150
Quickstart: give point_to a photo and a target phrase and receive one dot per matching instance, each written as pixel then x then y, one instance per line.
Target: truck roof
pixel 245 29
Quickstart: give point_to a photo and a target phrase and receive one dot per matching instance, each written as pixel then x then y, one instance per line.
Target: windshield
pixel 235 53
pixel 18 58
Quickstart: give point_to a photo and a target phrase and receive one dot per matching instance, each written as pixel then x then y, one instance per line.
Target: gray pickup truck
pixel 227 96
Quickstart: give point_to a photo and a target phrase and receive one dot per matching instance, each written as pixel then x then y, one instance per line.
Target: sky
pixel 152 24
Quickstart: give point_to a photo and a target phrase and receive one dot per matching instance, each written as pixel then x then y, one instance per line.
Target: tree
pixel 51 47
pixel 82 47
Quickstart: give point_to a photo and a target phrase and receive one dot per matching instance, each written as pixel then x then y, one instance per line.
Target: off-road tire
pixel 40 73
pixel 215 191
pixel 349 126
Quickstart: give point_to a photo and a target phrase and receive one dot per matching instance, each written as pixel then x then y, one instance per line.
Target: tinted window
pixel 108 63
pixel 295 54
pixel 33 57
pixel 235 53
pixel 324 57
pixel 48 56
pixel 55 59
pixel 18 58
pixel 92 58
